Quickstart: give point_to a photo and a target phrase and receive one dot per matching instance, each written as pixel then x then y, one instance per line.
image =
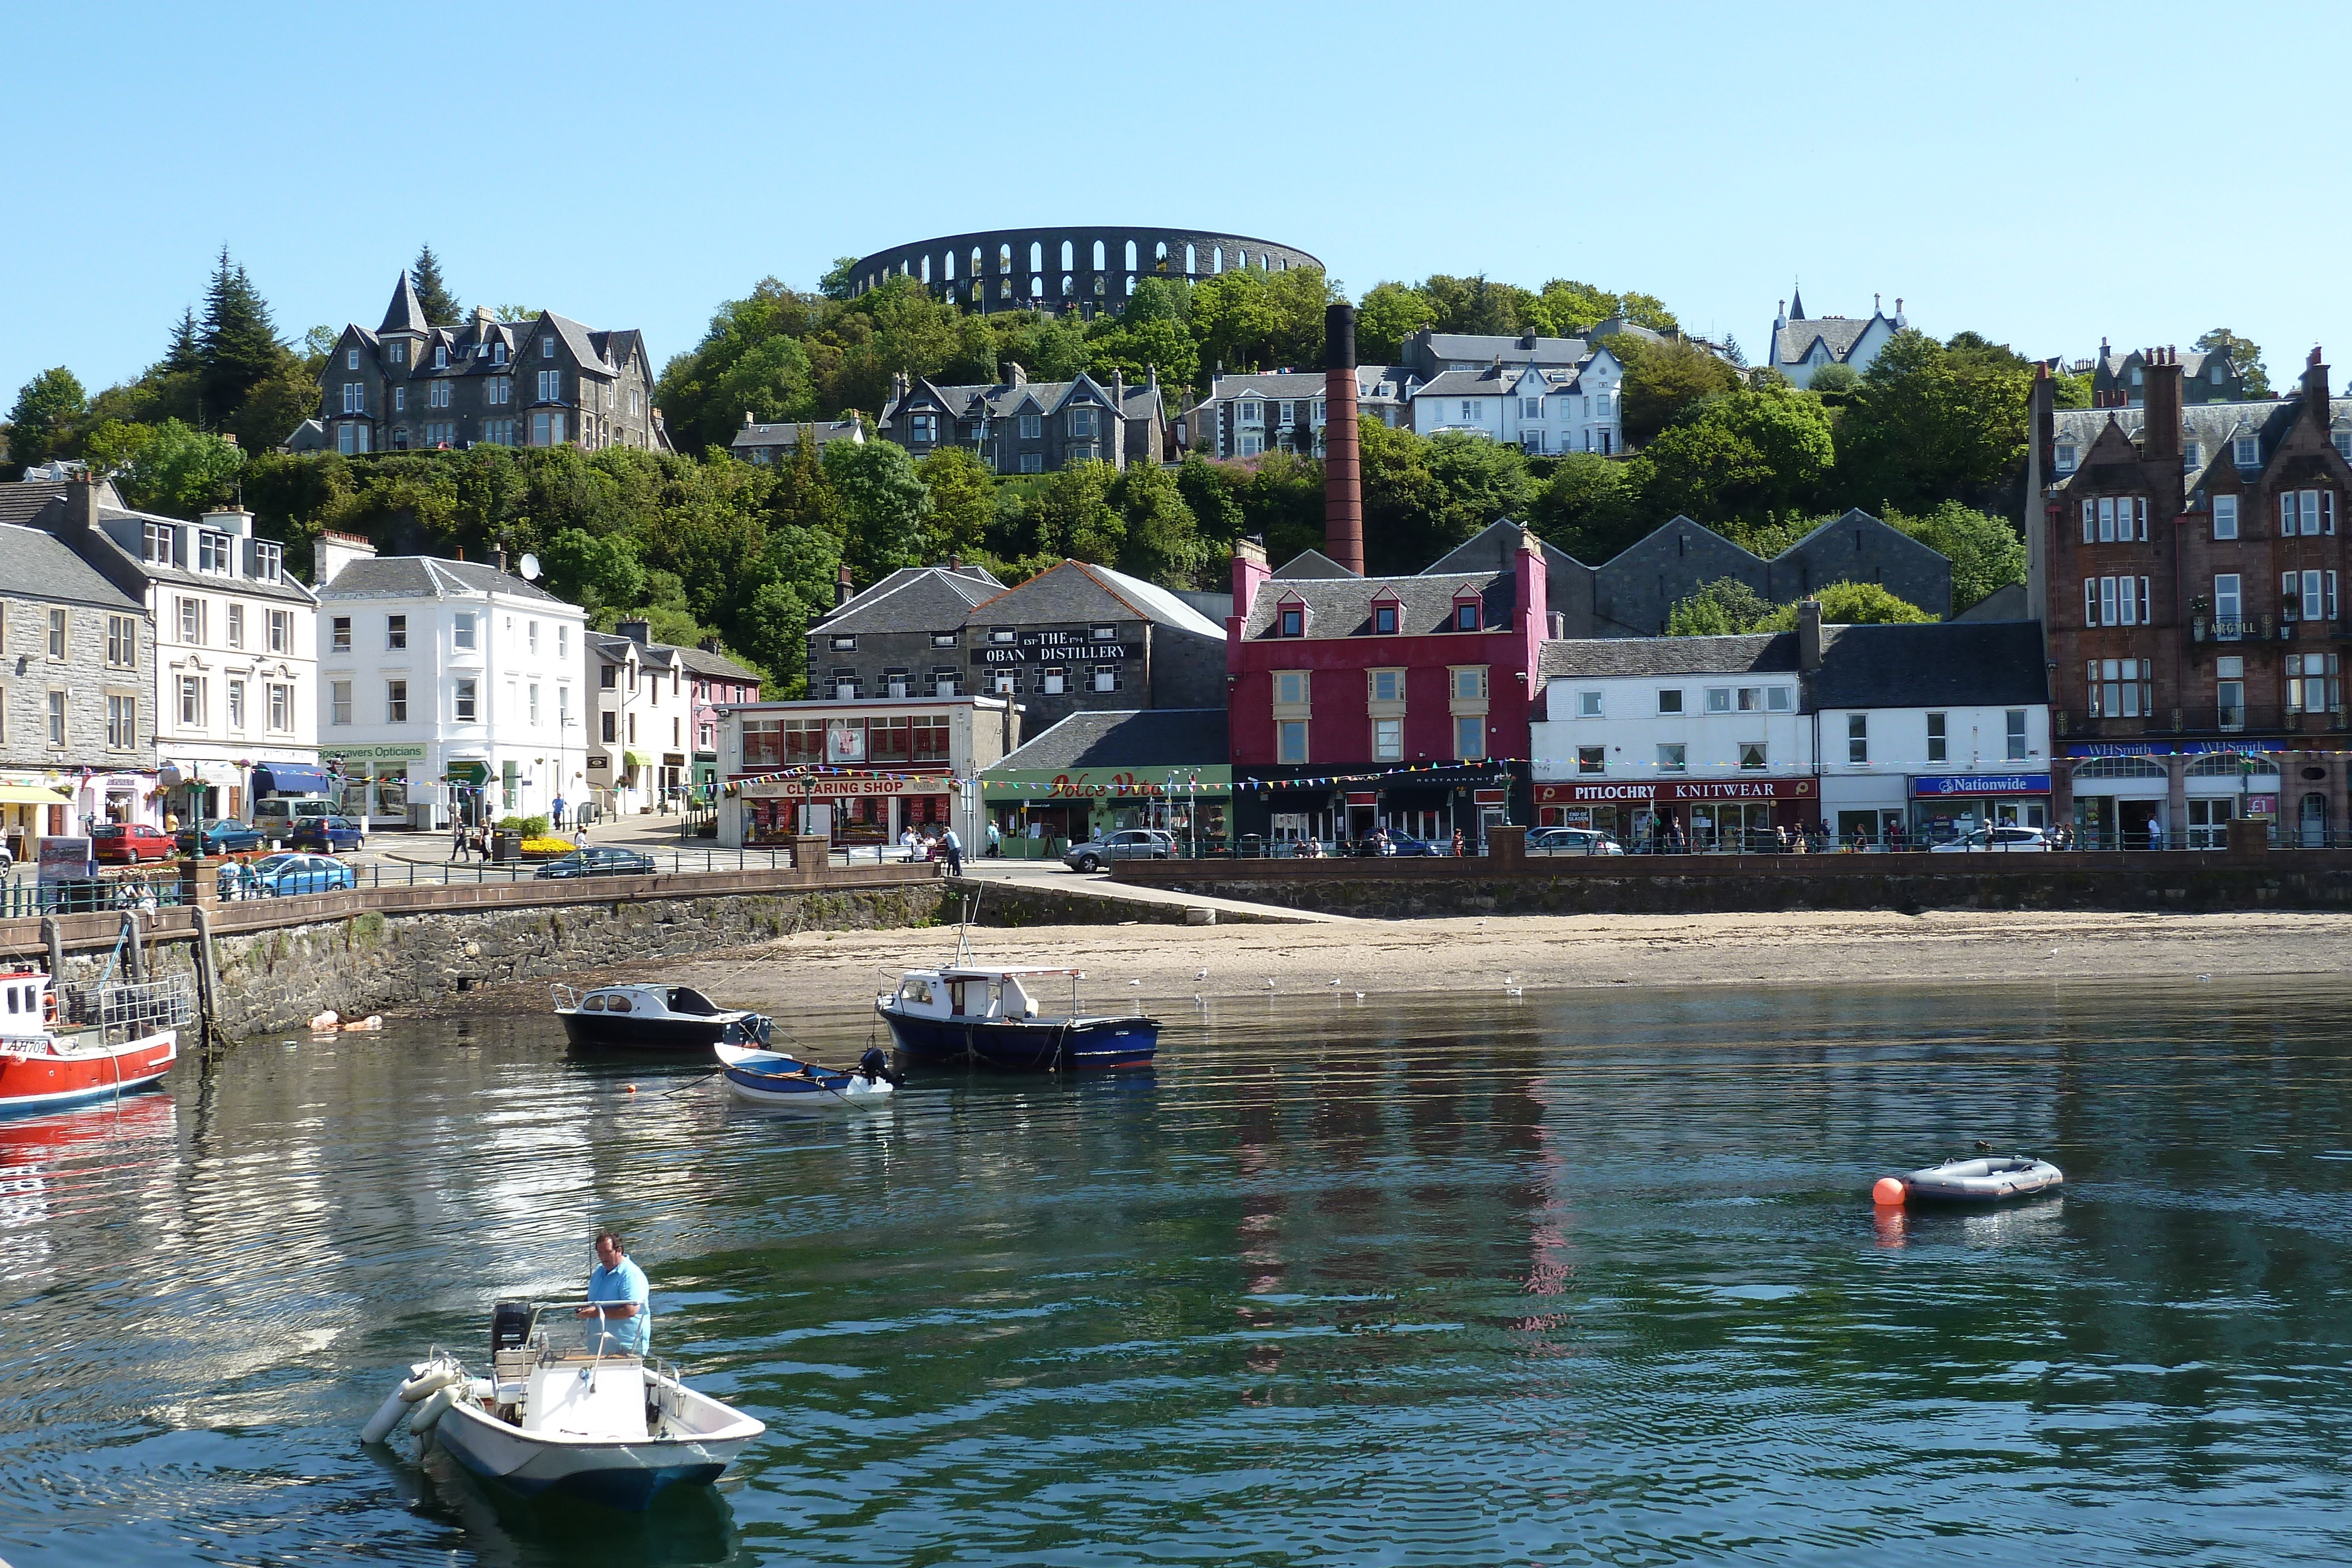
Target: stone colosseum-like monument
pixel 1075 270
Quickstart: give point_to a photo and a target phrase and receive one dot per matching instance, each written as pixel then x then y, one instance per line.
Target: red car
pixel 131 842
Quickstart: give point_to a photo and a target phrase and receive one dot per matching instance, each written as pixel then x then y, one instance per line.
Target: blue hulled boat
pixel 984 1013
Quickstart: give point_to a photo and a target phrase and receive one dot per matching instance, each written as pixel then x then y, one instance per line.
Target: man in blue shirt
pixel 629 1320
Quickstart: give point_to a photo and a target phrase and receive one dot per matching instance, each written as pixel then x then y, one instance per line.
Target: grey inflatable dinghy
pixel 1987 1180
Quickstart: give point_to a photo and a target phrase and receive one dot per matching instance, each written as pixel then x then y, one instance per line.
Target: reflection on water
pixel 1562 1280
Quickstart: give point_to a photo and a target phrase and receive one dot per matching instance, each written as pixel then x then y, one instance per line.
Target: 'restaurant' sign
pixel 1644 791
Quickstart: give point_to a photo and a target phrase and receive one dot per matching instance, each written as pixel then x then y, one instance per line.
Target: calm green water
pixel 1573 1279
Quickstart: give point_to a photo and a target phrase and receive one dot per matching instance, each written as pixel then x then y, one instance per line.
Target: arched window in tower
pixel 926 268
pixel 947 265
pixel 1037 257
pixel 1159 259
pixel 1067 262
pixel 1216 258
pixel 1036 286
pixel 1102 286
pixel 1130 285
pixel 1191 261
pixel 1069 285
pixel 1130 255
pixel 1098 255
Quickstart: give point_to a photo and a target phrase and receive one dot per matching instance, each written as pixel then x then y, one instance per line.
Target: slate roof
pixel 1312 563
pixel 2004 604
pixel 915 599
pixel 787 434
pixel 706 665
pixel 1485 348
pixel 42 567
pixel 1765 653
pixel 1295 384
pixel 428 576
pixel 406 311
pixel 2211 425
pixel 1956 663
pixel 1499 381
pixel 288 589
pixel 1007 397
pixel 1147 739
pixel 1342 607
pixel 22 500
pixel 1495 548
pixel 1075 590
pixel 1791 344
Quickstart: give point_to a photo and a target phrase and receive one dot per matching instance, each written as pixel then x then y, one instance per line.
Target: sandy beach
pixel 1474 956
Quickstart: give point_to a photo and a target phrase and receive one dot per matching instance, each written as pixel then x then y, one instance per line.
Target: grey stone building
pixel 76 722
pixel 1636 590
pixel 1075 637
pixel 1074 270
pixel 411 385
pixel 1282 411
pixel 770 444
pixel 2120 379
pixel 1021 426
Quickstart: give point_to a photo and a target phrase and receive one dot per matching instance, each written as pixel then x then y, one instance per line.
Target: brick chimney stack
pixel 2040 452
pixel 1343 491
pixel 2314 387
pixel 2161 437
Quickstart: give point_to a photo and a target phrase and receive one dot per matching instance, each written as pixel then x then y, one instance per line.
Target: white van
pixel 275 815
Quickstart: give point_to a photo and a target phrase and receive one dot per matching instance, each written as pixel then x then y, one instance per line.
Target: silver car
pixel 1572 841
pixel 1126 844
pixel 2029 841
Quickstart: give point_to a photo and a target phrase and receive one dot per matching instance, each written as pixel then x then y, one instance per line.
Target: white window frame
pixel 2225 516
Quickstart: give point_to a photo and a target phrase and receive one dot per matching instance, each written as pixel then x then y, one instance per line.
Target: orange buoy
pixel 629 1088
pixel 1889 1191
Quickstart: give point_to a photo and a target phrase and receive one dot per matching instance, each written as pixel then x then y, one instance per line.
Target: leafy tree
pixel 1850 604
pixel 2069 390
pixel 1209 495
pixel 1590 505
pixel 1250 318
pixel 516 313
pixel 1390 313
pixel 237 346
pixel 1161 543
pixel 596 573
pixel 1720 609
pixel 963 504
pixel 884 507
pixel 840 280
pixel 1664 381
pixel 48 411
pixel 180 471
pixel 1833 381
pixel 440 305
pixel 1741 458
pixel 1281 498
pixel 1476 304
pixel 2244 354
pixel 1987 553
pixel 772 382
pixel 1482 482
pixel 1935 422
pixel 1648 310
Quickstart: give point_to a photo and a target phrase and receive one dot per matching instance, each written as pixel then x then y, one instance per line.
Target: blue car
pixel 283 875
pixel 220 836
pixel 328 834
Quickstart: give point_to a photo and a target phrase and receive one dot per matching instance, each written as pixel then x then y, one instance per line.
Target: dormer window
pixel 547 347
pixel 1466 615
pixel 497 353
pixel 440 356
pixel 2247 452
pixel 2065 457
pixel 1384 619
pixel 1291 620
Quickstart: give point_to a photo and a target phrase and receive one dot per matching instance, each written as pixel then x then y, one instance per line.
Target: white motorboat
pixel 771 1078
pixel 564 1413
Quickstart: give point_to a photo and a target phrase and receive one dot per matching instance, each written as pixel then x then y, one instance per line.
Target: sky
pixel 2044 175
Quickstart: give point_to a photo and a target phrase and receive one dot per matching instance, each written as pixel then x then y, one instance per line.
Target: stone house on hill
pixel 1021 426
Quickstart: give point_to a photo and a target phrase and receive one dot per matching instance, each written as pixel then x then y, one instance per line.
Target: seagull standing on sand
pixel 1201 975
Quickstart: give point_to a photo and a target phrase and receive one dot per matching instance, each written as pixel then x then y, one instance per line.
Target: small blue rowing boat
pixel 771 1078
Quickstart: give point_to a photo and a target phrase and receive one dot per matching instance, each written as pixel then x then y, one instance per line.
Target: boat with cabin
pixel 74 1044
pixel 987 1013
pixel 563 1412
pixel 655 1018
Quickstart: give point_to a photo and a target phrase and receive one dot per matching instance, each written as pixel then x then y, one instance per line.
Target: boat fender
pixel 1890 1192
pixel 876 1067
pixel 421 1419
pixel 480 1390
pixel 387 1416
pixel 431 1378
pixel 324 1023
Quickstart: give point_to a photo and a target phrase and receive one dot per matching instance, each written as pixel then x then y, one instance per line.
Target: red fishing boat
pixel 94 1043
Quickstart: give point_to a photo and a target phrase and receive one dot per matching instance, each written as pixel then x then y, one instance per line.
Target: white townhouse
pixel 1704 739
pixel 236 663
pixel 1929 732
pixel 449 688
pixel 1547 410
pixel 1282 411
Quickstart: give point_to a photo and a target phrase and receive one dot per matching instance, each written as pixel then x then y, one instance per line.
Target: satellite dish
pixel 530 566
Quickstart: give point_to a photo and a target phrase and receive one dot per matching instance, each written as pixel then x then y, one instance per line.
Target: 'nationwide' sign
pixel 1975 784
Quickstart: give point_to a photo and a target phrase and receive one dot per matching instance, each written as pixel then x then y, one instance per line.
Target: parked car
pixel 131 842
pixel 220 836
pixel 607 861
pixel 276 815
pixel 284 875
pixel 1127 843
pixel 328 834
pixel 2029 841
pixel 1572 841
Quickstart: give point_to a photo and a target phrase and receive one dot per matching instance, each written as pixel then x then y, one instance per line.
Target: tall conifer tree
pixel 440 305
pixel 238 345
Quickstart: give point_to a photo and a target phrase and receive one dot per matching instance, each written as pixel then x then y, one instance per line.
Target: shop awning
pixel 632 758
pixel 31 795
pixel 290 779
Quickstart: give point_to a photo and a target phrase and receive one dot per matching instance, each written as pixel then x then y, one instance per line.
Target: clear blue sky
pixel 2042 175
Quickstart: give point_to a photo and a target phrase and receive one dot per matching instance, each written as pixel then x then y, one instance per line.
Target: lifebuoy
pixel 49 1006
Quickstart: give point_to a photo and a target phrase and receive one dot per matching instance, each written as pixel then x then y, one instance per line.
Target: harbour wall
pixel 279 961
pixel 2185 882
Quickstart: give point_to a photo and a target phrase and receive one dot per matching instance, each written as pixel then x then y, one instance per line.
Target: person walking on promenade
pixel 953 846
pixel 995 840
pixel 1457 843
pixel 456 840
pixel 555 817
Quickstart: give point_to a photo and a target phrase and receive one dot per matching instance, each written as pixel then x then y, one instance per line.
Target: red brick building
pixel 2189 566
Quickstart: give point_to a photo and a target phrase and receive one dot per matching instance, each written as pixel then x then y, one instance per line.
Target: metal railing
pixel 125 1010
pixel 23 895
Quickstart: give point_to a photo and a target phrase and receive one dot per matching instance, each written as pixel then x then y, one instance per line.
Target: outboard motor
pixel 509 1327
pixel 875 1065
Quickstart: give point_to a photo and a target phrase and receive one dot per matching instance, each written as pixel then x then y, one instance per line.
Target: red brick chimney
pixel 2315 388
pixel 2160 436
pixel 1343 490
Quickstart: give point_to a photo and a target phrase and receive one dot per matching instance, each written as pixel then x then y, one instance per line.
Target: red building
pixel 1399 702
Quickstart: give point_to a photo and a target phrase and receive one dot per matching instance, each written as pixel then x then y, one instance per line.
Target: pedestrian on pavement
pixel 1457 843
pixel 995 840
pixel 908 842
pixel 456 840
pixel 558 814
pixel 954 848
